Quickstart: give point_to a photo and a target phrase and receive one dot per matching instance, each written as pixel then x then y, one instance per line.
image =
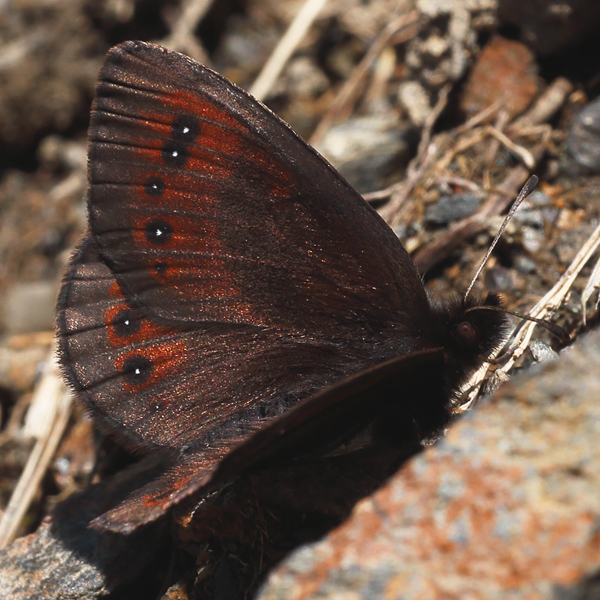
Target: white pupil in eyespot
pixel 175 154
pixel 186 130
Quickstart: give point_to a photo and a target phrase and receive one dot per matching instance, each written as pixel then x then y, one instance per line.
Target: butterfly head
pixel 471 331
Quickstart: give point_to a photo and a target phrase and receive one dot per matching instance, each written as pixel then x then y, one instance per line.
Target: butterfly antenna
pixel 554 329
pixel 525 191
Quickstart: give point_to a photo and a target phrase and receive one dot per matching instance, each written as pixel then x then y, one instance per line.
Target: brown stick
pixel 445 244
pixel 342 103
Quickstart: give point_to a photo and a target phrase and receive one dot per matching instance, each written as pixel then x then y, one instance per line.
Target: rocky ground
pixel 437 112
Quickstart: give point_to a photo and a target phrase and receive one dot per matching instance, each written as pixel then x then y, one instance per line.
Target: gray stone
pixel 29 307
pixel 452 208
pixel 365 150
pixel 583 140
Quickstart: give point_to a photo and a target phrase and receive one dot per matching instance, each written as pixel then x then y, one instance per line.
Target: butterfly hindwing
pixel 166 400
pixel 164 386
pixel 380 401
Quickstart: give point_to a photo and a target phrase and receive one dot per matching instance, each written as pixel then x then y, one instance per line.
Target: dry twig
pixel 546 105
pixel 341 107
pixel 288 43
pixel 46 421
pixel 456 235
pixel 524 154
pixel 553 299
pixel 182 36
pixel 419 164
pixel 592 285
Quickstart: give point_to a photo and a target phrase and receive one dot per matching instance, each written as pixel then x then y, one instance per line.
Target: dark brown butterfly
pixel 234 297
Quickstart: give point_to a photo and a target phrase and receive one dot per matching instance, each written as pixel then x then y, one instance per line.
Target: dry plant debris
pixel 338 61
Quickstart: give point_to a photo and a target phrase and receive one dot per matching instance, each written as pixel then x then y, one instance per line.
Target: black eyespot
pixel 126 323
pixel 160 268
pixel 154 187
pixel 467 334
pixel 137 370
pixel 116 59
pixel 175 153
pixel 155 407
pixel 185 128
pixel 158 232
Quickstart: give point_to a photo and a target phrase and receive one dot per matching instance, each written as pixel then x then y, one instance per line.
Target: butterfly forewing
pixel 209 208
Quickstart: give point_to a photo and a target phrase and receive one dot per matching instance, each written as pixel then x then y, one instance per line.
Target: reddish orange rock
pixel 507 506
pixel 505 71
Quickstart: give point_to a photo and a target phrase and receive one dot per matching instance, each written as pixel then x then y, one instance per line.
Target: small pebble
pixel 583 139
pixel 499 279
pixel 365 150
pixel 542 352
pixel 452 208
pixel 30 307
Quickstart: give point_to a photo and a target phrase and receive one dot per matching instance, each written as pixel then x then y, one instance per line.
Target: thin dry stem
pixel 285 48
pixel 497 202
pixel 460 182
pixel 546 105
pixel 480 117
pixel 182 36
pixel 524 154
pixel 341 106
pixel 52 402
pixel 416 168
pixel 592 285
pixel 553 299
pixel 460 146
pixel 494 144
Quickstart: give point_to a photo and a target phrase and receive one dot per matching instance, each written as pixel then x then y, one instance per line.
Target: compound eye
pixel 467 334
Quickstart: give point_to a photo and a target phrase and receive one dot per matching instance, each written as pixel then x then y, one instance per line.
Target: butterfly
pixel 234 298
